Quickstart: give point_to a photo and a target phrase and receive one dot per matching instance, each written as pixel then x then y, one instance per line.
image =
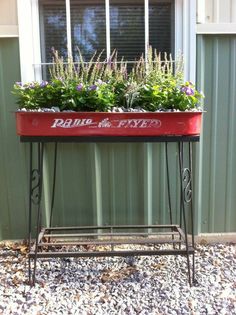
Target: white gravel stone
pixel 143 285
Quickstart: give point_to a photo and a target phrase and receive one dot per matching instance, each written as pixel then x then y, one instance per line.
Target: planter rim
pixel 102 113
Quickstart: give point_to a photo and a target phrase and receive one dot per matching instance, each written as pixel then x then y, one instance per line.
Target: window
pixel 92 29
pixel 128 26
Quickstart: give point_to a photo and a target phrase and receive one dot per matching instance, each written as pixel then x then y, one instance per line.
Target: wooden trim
pixel 68 29
pixel 185 36
pixel 201 14
pixel 29 40
pixel 108 35
pixel 9 31
pixel 216 28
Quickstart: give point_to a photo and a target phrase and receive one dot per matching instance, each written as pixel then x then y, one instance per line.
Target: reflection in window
pixel 52 28
pixel 127 28
pixel 161 25
pixel 88 28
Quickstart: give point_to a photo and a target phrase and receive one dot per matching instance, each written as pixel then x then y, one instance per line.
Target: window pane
pixel 52 28
pixel 161 25
pixel 127 28
pixel 88 27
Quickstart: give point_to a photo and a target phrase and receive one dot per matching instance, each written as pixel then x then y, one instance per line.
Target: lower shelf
pixel 91 241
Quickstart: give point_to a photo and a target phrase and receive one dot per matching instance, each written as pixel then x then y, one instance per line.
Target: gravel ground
pixel 143 285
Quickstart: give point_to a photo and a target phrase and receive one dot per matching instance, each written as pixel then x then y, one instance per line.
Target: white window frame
pixel 29 36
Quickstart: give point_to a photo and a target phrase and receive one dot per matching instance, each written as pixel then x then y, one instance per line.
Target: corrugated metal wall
pixel 124 183
pixel 112 183
pixel 216 58
pixel 13 186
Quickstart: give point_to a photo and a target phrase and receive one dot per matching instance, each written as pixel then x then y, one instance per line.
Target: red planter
pixel 107 124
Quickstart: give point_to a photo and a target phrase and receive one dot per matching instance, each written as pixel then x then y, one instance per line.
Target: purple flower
pixel 187 90
pixel 93 87
pixel 32 85
pixel 18 83
pixel 100 82
pixel 43 84
pixel 79 87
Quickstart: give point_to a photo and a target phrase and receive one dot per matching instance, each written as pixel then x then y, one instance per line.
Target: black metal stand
pixel 50 240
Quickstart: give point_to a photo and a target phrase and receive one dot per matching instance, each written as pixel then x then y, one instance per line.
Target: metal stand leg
pixel 35 185
pixel 53 184
pixel 185 197
pixel 30 209
pixel 168 188
pixel 190 154
pixel 53 189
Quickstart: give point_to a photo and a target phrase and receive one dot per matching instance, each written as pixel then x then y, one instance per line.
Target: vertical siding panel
pixel 163 207
pixel 14 186
pixel 147 182
pixel 216 76
pixel 47 193
pixel 134 183
pixel 221 137
pixel 213 132
pixel 119 190
pixel 233 11
pixel 111 168
pixel 8 12
pixel 199 164
pixel 216 12
pixel 224 9
pixel 96 182
pixel 205 65
pixel 209 11
pixel 4 206
pixel 230 213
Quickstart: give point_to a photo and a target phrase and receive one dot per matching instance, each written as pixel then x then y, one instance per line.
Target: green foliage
pixel 152 84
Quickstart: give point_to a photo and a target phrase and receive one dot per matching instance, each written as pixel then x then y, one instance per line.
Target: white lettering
pixel 86 122
pixel 67 123
pixel 133 123
pixel 76 122
pixel 71 123
pixel 144 124
pixel 155 123
pixel 57 123
pixel 139 123
pixel 122 123
pixel 105 123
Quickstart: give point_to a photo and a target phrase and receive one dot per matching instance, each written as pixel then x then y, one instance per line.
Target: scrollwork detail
pixel 35 190
pixel 187 178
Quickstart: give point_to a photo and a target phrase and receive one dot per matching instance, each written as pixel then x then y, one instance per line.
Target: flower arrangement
pixel 151 85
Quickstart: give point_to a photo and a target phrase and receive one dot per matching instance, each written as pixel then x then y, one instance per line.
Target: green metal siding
pixel 110 183
pixel 126 183
pixel 216 57
pixel 13 189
